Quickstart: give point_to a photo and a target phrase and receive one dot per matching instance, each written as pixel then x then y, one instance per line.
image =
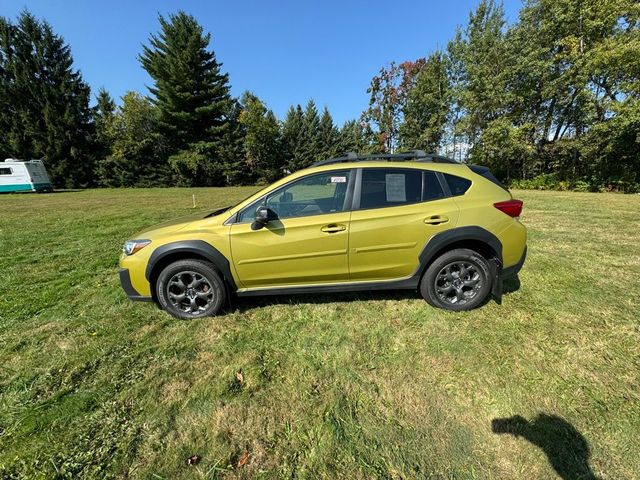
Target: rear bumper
pixel 513 270
pixel 125 281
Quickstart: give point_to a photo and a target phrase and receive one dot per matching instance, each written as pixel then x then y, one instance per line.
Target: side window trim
pixel 347 201
pixel 357 192
pixel 444 185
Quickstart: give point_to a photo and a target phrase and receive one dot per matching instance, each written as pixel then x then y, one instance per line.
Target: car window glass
pixel 312 195
pixel 388 187
pixel 457 185
pixel 432 189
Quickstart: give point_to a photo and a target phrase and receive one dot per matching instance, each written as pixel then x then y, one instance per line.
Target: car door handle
pixel 333 228
pixel 436 219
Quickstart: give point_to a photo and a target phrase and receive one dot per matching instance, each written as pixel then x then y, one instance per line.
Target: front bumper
pixel 513 270
pixel 125 281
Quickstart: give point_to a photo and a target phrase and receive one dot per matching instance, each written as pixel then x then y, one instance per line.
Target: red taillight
pixel 513 208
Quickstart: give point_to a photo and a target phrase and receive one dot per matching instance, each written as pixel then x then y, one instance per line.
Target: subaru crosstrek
pixel 377 222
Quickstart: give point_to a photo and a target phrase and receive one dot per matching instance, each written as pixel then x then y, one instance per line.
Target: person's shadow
pixel 566 449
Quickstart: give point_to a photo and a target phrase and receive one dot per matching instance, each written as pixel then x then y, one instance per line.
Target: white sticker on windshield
pixel 396 191
pixel 338 179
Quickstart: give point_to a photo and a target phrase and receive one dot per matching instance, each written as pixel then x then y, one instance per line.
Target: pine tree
pixel 310 141
pixel 44 103
pixel 192 96
pixel 292 138
pixel 351 138
pixel 327 136
pixel 261 141
pixel 232 147
pixel 103 115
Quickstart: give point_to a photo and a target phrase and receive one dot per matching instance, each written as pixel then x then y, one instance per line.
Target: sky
pixel 286 52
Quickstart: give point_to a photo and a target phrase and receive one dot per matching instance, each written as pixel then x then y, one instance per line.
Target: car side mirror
pixel 264 215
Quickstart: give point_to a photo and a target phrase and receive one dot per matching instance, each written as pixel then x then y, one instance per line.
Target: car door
pixel 395 212
pixel 307 244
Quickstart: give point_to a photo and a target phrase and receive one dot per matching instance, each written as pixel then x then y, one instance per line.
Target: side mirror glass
pixel 264 215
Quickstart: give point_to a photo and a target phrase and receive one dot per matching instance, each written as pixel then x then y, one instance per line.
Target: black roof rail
pixel 416 155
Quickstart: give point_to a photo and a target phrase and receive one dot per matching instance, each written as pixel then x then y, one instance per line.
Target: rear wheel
pixel 457 280
pixel 190 289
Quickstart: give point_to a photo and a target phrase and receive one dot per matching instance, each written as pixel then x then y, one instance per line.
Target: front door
pixel 397 212
pixel 307 244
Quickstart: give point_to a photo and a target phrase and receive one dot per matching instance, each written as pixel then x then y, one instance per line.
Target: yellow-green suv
pixel 378 222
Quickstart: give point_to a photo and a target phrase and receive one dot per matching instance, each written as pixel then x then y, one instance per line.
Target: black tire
pixel 457 280
pixel 190 289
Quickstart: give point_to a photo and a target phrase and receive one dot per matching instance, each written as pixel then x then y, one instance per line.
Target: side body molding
pixel 198 247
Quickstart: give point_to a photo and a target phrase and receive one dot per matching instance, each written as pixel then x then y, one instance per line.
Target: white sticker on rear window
pixel 396 190
pixel 338 179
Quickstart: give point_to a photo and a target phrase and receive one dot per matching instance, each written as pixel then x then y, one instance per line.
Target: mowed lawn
pixel 372 385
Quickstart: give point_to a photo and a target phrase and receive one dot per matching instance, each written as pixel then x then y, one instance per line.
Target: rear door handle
pixel 333 228
pixel 436 219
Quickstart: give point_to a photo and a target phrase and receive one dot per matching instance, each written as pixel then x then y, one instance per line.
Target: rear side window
pixel 5 171
pixel 390 187
pixel 457 185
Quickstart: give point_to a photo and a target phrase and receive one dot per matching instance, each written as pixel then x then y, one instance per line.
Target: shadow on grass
pixel 248 303
pixel 566 449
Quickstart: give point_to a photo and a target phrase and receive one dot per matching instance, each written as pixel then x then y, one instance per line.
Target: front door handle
pixel 436 219
pixel 333 228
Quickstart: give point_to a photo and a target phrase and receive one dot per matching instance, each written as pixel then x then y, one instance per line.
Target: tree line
pixel 549 101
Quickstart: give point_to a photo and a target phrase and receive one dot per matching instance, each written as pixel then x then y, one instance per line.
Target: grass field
pixel 375 385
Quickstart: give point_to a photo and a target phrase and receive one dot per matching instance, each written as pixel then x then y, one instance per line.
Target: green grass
pixel 375 385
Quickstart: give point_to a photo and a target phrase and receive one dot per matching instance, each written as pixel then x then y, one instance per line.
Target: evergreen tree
pixel 261 142
pixel 310 141
pixel 192 96
pixel 44 103
pixel 327 136
pixel 351 138
pixel 292 138
pixel 232 147
pixel 103 115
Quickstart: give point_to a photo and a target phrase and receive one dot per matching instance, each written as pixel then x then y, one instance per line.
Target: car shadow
pixel 511 285
pixel 244 304
pixel 565 447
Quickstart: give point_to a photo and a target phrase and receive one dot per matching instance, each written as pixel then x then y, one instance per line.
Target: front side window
pixel 5 171
pixel 390 187
pixel 312 195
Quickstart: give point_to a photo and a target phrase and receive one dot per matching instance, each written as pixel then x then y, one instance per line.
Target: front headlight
pixel 132 246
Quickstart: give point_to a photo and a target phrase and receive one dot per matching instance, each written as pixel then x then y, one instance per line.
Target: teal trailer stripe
pixel 21 187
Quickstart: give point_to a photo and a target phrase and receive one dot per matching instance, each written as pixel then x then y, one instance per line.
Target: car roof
pixel 454 168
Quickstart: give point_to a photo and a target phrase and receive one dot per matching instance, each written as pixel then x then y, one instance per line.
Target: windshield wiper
pixel 217 212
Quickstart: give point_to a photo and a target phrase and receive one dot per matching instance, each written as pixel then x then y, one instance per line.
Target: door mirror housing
pixel 264 215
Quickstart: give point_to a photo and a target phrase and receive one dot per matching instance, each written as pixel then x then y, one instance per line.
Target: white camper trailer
pixel 24 176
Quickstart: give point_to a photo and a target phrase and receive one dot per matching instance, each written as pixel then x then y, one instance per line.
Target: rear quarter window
pixel 457 185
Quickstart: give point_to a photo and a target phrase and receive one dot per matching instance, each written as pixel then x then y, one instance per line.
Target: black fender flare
pixel 448 237
pixel 197 247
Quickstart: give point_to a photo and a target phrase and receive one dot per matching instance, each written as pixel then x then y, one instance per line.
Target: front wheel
pixel 190 289
pixel 457 280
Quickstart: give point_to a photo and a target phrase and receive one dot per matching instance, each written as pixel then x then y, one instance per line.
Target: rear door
pixel 307 244
pixel 396 211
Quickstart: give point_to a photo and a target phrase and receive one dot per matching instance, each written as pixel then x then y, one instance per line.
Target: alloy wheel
pixel 190 292
pixel 458 282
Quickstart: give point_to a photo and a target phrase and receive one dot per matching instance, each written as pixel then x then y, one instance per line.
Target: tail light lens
pixel 513 208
